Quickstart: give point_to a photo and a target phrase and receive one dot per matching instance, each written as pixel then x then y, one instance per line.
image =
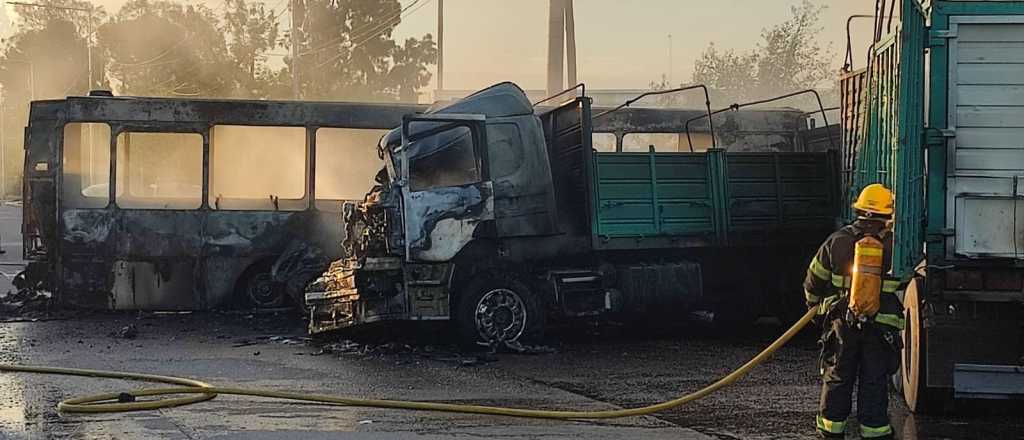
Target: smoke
pixel 346 162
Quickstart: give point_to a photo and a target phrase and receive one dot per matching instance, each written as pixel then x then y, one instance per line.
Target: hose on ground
pixel 195 391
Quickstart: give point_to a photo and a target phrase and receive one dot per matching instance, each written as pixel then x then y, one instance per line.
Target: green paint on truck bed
pixel 650 200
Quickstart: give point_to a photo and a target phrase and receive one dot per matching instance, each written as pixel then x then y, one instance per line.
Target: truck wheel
pixel 919 397
pixel 498 308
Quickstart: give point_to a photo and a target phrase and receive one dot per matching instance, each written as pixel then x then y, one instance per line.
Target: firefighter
pixel 861 317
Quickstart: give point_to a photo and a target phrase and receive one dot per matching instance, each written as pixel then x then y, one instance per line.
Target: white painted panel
pixel 1010 161
pixel 986 52
pixel 990 137
pixel 1003 95
pixel 987 114
pixel 990 116
pixel 995 32
pixel 986 73
pixel 985 227
pixel 1001 186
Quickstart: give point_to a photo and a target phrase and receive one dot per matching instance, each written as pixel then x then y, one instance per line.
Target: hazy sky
pixel 620 43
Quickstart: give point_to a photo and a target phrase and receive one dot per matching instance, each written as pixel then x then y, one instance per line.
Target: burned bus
pixel 184 204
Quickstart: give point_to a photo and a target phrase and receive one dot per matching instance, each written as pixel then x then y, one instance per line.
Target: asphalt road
pixel 601 368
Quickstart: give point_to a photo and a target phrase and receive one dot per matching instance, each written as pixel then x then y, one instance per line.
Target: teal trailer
pixel 938 115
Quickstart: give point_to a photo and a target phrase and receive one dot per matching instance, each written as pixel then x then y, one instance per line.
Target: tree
pixel 346 51
pixel 729 75
pixel 53 41
pixel 46 57
pixel 162 48
pixel 790 56
pixel 788 59
pixel 252 31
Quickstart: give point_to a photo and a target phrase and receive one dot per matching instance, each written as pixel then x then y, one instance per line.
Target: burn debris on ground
pixel 31 298
pixel 129 331
pixel 446 354
pixel 25 303
pixel 520 348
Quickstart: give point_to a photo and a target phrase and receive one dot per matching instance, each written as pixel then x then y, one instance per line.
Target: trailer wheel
pixel 919 397
pixel 497 308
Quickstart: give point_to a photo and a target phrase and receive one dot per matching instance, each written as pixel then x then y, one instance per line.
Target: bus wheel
pixel 498 309
pixel 258 289
pixel 919 397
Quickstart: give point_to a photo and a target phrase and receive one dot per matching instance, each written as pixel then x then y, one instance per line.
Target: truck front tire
pixel 498 308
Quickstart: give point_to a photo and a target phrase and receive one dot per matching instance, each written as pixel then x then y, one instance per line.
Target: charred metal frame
pixel 710 115
pixel 736 129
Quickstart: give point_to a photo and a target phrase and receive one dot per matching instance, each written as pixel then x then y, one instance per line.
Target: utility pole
pixel 440 50
pixel 3 149
pixel 88 48
pixel 670 83
pixel 556 46
pixel 570 42
pixel 295 53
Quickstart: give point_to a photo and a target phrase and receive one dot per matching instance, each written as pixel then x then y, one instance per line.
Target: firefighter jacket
pixel 828 278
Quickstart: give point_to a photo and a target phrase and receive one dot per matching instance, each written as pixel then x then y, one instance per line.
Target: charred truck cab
pixel 497 216
pixel 466 195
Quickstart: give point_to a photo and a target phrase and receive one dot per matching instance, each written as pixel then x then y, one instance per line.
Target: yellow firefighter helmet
pixel 875 199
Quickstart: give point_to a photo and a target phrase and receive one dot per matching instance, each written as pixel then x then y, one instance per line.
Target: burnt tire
pixel 496 308
pixel 257 289
pixel 913 360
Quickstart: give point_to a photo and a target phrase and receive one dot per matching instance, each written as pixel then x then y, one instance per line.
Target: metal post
pixel 31 81
pixel 670 60
pixel 570 42
pixel 88 48
pixel 556 45
pixel 3 150
pixel 440 49
pixel 295 53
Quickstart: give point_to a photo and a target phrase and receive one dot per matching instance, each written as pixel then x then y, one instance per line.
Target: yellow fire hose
pixel 197 391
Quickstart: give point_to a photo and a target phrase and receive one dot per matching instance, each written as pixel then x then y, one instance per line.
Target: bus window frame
pixel 182 128
pixel 311 134
pixel 307 195
pixel 59 156
pixel 203 129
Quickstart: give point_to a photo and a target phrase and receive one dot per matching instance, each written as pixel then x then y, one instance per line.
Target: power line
pixel 158 57
pixel 283 10
pixel 376 30
pixel 359 33
pixel 367 39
